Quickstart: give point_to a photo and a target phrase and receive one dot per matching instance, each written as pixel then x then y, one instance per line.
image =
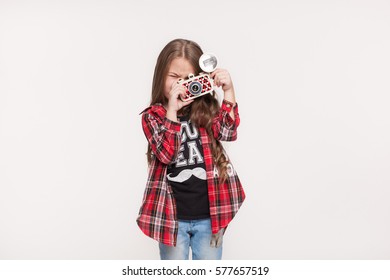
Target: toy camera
pixel 197 85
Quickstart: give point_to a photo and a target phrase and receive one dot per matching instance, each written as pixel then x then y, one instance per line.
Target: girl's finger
pixel 222 82
pixel 215 72
pixel 218 80
pixel 218 76
pixel 183 95
pixel 174 84
pixel 178 90
pixel 186 102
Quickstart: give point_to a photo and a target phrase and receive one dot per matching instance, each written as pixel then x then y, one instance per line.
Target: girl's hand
pixel 174 102
pixel 222 78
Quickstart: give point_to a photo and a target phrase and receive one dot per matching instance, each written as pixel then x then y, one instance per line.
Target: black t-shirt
pixel 187 176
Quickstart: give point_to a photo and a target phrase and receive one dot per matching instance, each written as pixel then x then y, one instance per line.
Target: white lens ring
pixel 195 88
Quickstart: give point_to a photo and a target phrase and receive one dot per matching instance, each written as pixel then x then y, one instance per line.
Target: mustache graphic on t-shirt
pixel 186 174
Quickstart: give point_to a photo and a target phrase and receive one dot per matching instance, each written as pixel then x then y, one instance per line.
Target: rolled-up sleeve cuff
pixel 235 109
pixel 171 125
pixel 227 105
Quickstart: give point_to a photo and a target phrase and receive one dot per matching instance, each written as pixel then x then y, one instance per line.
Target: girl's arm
pixel 163 136
pixel 227 120
pixel 224 126
pixel 163 132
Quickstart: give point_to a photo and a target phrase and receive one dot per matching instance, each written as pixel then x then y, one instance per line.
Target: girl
pixel 192 191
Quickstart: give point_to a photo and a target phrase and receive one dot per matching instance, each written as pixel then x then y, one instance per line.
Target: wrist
pixel 171 114
pixel 229 95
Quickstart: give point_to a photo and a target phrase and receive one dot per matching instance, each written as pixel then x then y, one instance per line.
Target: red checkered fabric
pixel 157 215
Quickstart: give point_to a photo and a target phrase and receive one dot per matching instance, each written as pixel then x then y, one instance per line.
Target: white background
pixel 313 154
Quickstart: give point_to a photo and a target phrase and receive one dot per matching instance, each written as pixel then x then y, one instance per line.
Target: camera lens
pixel 195 88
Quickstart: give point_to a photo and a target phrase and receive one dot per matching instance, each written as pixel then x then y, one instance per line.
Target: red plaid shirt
pixel 157 215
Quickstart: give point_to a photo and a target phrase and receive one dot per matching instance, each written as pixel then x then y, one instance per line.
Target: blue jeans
pixel 195 234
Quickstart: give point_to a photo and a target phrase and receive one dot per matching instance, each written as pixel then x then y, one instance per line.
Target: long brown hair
pixel 202 110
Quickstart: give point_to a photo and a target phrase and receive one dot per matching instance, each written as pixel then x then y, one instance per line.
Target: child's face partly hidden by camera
pixel 179 68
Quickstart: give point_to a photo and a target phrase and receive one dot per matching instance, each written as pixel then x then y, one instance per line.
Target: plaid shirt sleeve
pixel 162 134
pixel 224 127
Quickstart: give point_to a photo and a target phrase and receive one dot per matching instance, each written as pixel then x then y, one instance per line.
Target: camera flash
pixel 208 62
